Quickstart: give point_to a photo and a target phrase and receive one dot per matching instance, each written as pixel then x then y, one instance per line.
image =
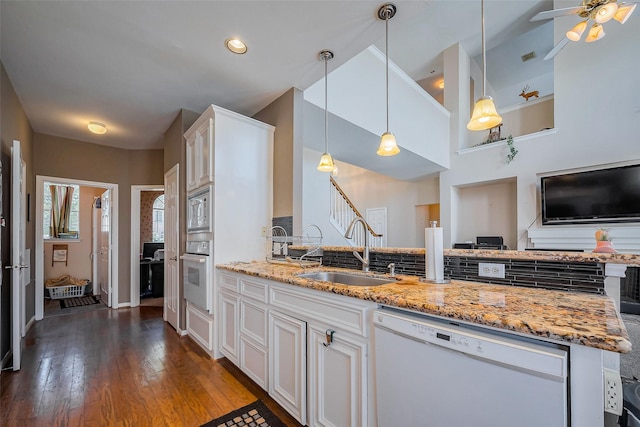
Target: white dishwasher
pixel 436 373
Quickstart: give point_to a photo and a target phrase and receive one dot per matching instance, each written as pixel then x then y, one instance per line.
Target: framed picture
pixel 494 133
pixel 59 254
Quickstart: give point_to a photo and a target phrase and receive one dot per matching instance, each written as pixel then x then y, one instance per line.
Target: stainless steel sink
pixel 347 279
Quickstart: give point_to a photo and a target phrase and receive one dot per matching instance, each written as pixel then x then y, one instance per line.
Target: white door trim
pixel 39 260
pixel 136 192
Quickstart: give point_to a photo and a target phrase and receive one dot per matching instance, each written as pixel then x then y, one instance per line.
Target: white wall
pixel 366 190
pixel 597 122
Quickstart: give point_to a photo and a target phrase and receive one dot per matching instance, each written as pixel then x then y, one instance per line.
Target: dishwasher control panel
pixel 519 353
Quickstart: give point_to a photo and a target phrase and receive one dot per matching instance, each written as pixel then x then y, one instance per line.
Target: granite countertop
pixel 632 260
pixel 574 317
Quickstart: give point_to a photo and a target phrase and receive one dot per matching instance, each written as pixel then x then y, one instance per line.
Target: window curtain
pixel 61 197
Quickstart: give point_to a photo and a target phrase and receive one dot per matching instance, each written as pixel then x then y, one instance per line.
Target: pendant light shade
pixel 606 12
pixel 326 161
pixel 485 116
pixel 388 145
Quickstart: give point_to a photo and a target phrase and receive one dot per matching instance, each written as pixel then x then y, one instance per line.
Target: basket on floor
pixel 66 287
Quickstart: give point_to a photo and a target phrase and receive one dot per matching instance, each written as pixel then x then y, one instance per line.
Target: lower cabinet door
pixel 228 326
pixel 254 361
pixel 288 364
pixel 337 380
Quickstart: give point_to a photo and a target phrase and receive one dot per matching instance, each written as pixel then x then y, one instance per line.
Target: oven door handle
pixel 193 258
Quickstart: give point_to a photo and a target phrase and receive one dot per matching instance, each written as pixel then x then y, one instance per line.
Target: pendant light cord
pixel 386 54
pixel 326 114
pixel 484 56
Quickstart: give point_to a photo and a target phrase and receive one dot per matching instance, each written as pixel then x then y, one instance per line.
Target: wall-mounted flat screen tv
pixel 604 195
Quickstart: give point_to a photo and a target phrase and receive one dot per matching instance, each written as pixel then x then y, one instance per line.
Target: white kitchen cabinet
pixel 200 156
pixel 287 364
pixel 337 379
pixel 228 313
pixel 233 154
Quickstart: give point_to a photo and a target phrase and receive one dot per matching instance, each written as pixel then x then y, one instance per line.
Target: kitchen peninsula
pixel 572 310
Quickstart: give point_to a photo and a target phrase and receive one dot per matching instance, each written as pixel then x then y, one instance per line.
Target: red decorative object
pixel 604 247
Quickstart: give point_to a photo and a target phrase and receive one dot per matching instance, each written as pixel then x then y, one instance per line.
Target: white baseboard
pixel 29 324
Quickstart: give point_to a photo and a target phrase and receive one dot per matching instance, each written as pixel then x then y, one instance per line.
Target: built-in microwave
pixel 200 210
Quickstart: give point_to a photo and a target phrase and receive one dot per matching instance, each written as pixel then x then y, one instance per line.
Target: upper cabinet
pixel 200 156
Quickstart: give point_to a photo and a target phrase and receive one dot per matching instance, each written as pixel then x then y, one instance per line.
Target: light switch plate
pixel 489 269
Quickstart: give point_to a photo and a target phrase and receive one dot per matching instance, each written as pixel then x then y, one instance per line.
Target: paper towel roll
pixel 434 254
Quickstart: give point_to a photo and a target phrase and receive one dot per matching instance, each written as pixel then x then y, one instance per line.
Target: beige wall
pixel 175 153
pixel 72 159
pixel 281 113
pixel 14 125
pixel 79 252
pixel 528 118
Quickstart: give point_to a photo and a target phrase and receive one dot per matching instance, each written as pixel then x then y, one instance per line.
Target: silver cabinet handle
pixel 329 336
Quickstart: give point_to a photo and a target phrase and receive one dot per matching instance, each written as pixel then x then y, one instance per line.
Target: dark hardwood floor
pixel 122 367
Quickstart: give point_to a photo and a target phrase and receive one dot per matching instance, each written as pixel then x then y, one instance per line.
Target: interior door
pixel 377 219
pixel 171 247
pixel 18 265
pixel 95 245
pixel 104 264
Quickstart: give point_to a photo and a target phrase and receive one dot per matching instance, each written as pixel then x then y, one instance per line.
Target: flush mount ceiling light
pixel 326 161
pixel 236 45
pixel 484 114
pixel 592 11
pixel 97 128
pixel 388 145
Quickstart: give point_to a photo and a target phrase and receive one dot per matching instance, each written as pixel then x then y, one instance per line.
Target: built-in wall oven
pixel 198 274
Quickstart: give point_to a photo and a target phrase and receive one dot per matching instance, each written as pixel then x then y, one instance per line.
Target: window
pixel 71 228
pixel 158 219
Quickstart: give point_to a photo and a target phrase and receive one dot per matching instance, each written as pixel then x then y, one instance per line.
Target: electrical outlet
pixel 612 392
pixel 489 269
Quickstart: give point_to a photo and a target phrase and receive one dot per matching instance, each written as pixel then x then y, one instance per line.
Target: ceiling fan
pixel 596 11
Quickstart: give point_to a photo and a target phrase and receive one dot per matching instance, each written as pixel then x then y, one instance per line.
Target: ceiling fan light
pixel 624 12
pixel 485 116
pixel 605 12
pixel 576 32
pixel 595 33
pixel 388 145
pixel 326 163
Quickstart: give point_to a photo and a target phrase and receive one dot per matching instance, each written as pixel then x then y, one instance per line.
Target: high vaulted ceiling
pixel 133 64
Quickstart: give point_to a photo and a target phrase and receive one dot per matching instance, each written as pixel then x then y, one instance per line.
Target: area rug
pixel 79 301
pixel 255 414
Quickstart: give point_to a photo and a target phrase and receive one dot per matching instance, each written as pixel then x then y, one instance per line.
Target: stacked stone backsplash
pixel 556 275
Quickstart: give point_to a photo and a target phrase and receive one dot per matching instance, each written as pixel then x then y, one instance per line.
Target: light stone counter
pixel 574 317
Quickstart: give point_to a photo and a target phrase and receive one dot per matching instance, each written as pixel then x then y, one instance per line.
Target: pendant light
pixel 484 114
pixel 388 145
pixel 326 161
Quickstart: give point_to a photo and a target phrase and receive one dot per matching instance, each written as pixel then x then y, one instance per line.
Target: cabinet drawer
pixel 253 321
pixel 340 312
pixel 254 289
pixel 228 281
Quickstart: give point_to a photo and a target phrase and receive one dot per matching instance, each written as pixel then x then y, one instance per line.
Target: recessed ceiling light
pixel 236 46
pixel 97 127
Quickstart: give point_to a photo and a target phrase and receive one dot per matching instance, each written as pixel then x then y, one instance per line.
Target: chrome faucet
pixel 365 258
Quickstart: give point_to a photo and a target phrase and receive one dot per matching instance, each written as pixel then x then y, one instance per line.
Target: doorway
pixel 142 230
pixel 40 257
